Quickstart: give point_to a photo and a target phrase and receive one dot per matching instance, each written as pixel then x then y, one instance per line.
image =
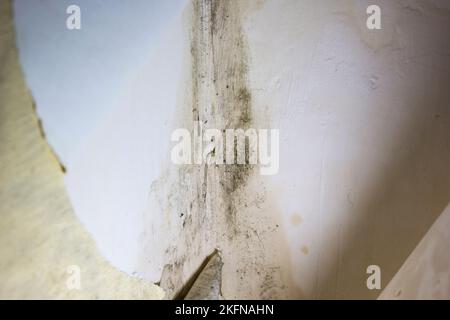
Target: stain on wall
pixel 222 206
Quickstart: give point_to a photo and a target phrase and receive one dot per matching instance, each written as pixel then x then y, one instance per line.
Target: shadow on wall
pixel 411 190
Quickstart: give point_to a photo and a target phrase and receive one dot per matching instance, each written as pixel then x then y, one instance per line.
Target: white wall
pixel 365 127
pixel 78 79
pixel 77 76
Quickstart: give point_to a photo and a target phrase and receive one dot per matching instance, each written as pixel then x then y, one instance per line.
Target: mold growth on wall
pixel 211 206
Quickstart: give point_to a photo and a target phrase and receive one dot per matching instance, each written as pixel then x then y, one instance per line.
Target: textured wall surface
pixel 364 119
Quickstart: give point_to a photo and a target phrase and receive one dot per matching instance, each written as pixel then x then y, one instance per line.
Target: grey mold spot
pixel 221 209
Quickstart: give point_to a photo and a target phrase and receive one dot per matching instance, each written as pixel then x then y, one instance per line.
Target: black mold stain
pixel 218 201
pixel 220 98
pixel 218 50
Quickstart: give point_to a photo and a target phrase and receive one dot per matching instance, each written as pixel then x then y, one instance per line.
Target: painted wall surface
pixel 77 76
pixel 364 121
pixel 365 132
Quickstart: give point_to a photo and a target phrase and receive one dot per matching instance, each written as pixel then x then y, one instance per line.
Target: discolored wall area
pixel 364 147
